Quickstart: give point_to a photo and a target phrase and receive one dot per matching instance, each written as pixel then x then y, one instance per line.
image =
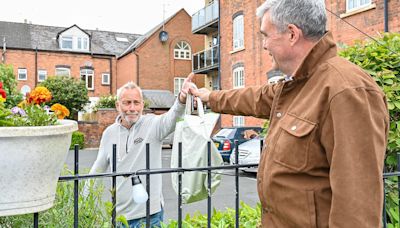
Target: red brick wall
pixel 49 60
pixel 255 60
pixel 157 66
pixel 127 68
pixel 370 21
pixel 94 130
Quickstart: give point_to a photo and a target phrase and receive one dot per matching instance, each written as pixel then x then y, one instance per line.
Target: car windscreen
pixel 225 133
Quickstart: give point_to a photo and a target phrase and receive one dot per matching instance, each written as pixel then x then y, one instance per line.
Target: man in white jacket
pixel 131 132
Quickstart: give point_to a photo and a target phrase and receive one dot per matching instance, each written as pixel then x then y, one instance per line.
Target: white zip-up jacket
pixel 131 156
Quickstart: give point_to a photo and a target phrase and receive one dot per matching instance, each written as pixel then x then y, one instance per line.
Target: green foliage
pixel 392 202
pixel 382 61
pixel 265 128
pixel 77 138
pixel 35 116
pixel 105 102
pixel 10 86
pixel 248 218
pixel 91 209
pixel 67 91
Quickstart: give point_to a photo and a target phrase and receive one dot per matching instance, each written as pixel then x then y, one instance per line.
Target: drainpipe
pixel 3 55
pixel 110 61
pixel 36 66
pixel 137 68
pixel 386 15
pixel 219 45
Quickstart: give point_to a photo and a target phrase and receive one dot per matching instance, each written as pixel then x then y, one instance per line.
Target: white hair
pixel 129 85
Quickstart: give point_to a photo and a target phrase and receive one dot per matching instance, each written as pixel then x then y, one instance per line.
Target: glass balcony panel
pixel 206 59
pixel 205 16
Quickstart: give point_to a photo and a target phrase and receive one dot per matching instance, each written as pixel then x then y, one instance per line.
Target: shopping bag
pixel 194 133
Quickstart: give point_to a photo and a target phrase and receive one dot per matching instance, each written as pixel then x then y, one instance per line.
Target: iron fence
pixel 180 170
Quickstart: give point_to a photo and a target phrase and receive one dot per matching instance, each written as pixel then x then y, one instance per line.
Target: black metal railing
pixel 206 59
pixel 148 172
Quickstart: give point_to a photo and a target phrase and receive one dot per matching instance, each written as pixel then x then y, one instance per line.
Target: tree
pixel 68 91
pixel 9 85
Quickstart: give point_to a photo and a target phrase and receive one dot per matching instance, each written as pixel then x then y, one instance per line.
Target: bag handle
pixel 189 106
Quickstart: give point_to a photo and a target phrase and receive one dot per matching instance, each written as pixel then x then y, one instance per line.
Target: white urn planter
pixel 31 159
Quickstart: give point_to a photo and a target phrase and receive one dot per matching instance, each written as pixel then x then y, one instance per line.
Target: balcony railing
pixel 205 20
pixel 206 60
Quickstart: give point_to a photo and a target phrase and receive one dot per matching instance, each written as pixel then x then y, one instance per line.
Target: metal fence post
pixel 148 185
pixel 209 185
pixel 36 220
pixel 237 182
pixel 180 185
pixel 114 186
pixel 76 186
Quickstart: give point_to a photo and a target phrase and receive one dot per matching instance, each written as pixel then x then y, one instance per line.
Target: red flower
pixel 1 85
pixel 3 93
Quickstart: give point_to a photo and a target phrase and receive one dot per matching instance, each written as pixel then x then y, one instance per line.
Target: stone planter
pixel 31 159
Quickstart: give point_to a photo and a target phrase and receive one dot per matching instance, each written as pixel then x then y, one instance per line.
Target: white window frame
pixel 238 32
pixel 352 5
pixel 67 39
pixel 42 73
pixel 182 50
pixel 238 121
pixel 86 74
pixel 22 71
pixel 238 77
pixel 103 76
pixel 60 70
pixel 178 82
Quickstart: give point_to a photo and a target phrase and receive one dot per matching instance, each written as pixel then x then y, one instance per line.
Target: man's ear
pixel 295 33
pixel 117 105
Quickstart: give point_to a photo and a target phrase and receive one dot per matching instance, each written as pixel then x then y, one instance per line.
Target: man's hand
pixel 202 93
pixel 187 84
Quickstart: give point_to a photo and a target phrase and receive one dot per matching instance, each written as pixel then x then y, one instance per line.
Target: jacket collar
pixel 324 49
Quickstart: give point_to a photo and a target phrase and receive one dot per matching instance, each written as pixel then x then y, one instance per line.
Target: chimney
pixel 25 21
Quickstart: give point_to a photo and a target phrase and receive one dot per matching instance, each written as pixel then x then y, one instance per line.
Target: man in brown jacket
pixel 323 157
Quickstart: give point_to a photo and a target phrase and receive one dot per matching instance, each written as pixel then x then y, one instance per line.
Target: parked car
pixel 224 139
pixel 249 153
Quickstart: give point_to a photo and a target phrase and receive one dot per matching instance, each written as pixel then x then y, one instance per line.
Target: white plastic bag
pixel 194 132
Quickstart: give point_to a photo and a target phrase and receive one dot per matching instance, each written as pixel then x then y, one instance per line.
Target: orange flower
pixel 60 110
pixel 39 95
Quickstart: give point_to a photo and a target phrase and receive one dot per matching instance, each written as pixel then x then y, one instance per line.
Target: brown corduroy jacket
pixel 323 158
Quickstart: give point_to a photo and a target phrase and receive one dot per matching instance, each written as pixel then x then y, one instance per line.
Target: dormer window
pixel 74 39
pixel 66 42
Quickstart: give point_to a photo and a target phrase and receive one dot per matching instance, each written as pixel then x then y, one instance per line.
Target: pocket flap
pixel 296 126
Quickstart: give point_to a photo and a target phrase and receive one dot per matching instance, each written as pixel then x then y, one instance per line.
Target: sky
pixel 128 16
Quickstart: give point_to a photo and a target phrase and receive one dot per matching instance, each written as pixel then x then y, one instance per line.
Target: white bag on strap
pixel 194 132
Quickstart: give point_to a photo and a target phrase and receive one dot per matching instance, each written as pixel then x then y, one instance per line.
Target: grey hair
pixel 308 15
pixel 129 85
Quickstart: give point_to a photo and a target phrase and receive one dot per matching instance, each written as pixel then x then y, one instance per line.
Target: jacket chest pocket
pixel 293 142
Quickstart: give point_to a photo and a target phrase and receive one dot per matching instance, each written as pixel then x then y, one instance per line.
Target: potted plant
pixel 34 142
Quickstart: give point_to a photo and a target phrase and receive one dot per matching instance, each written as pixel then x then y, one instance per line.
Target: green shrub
pixel 10 86
pixel 77 138
pixel 248 218
pixel 70 92
pixel 105 102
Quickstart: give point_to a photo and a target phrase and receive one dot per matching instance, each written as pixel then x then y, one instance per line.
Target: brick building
pixel 242 60
pixel 104 60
